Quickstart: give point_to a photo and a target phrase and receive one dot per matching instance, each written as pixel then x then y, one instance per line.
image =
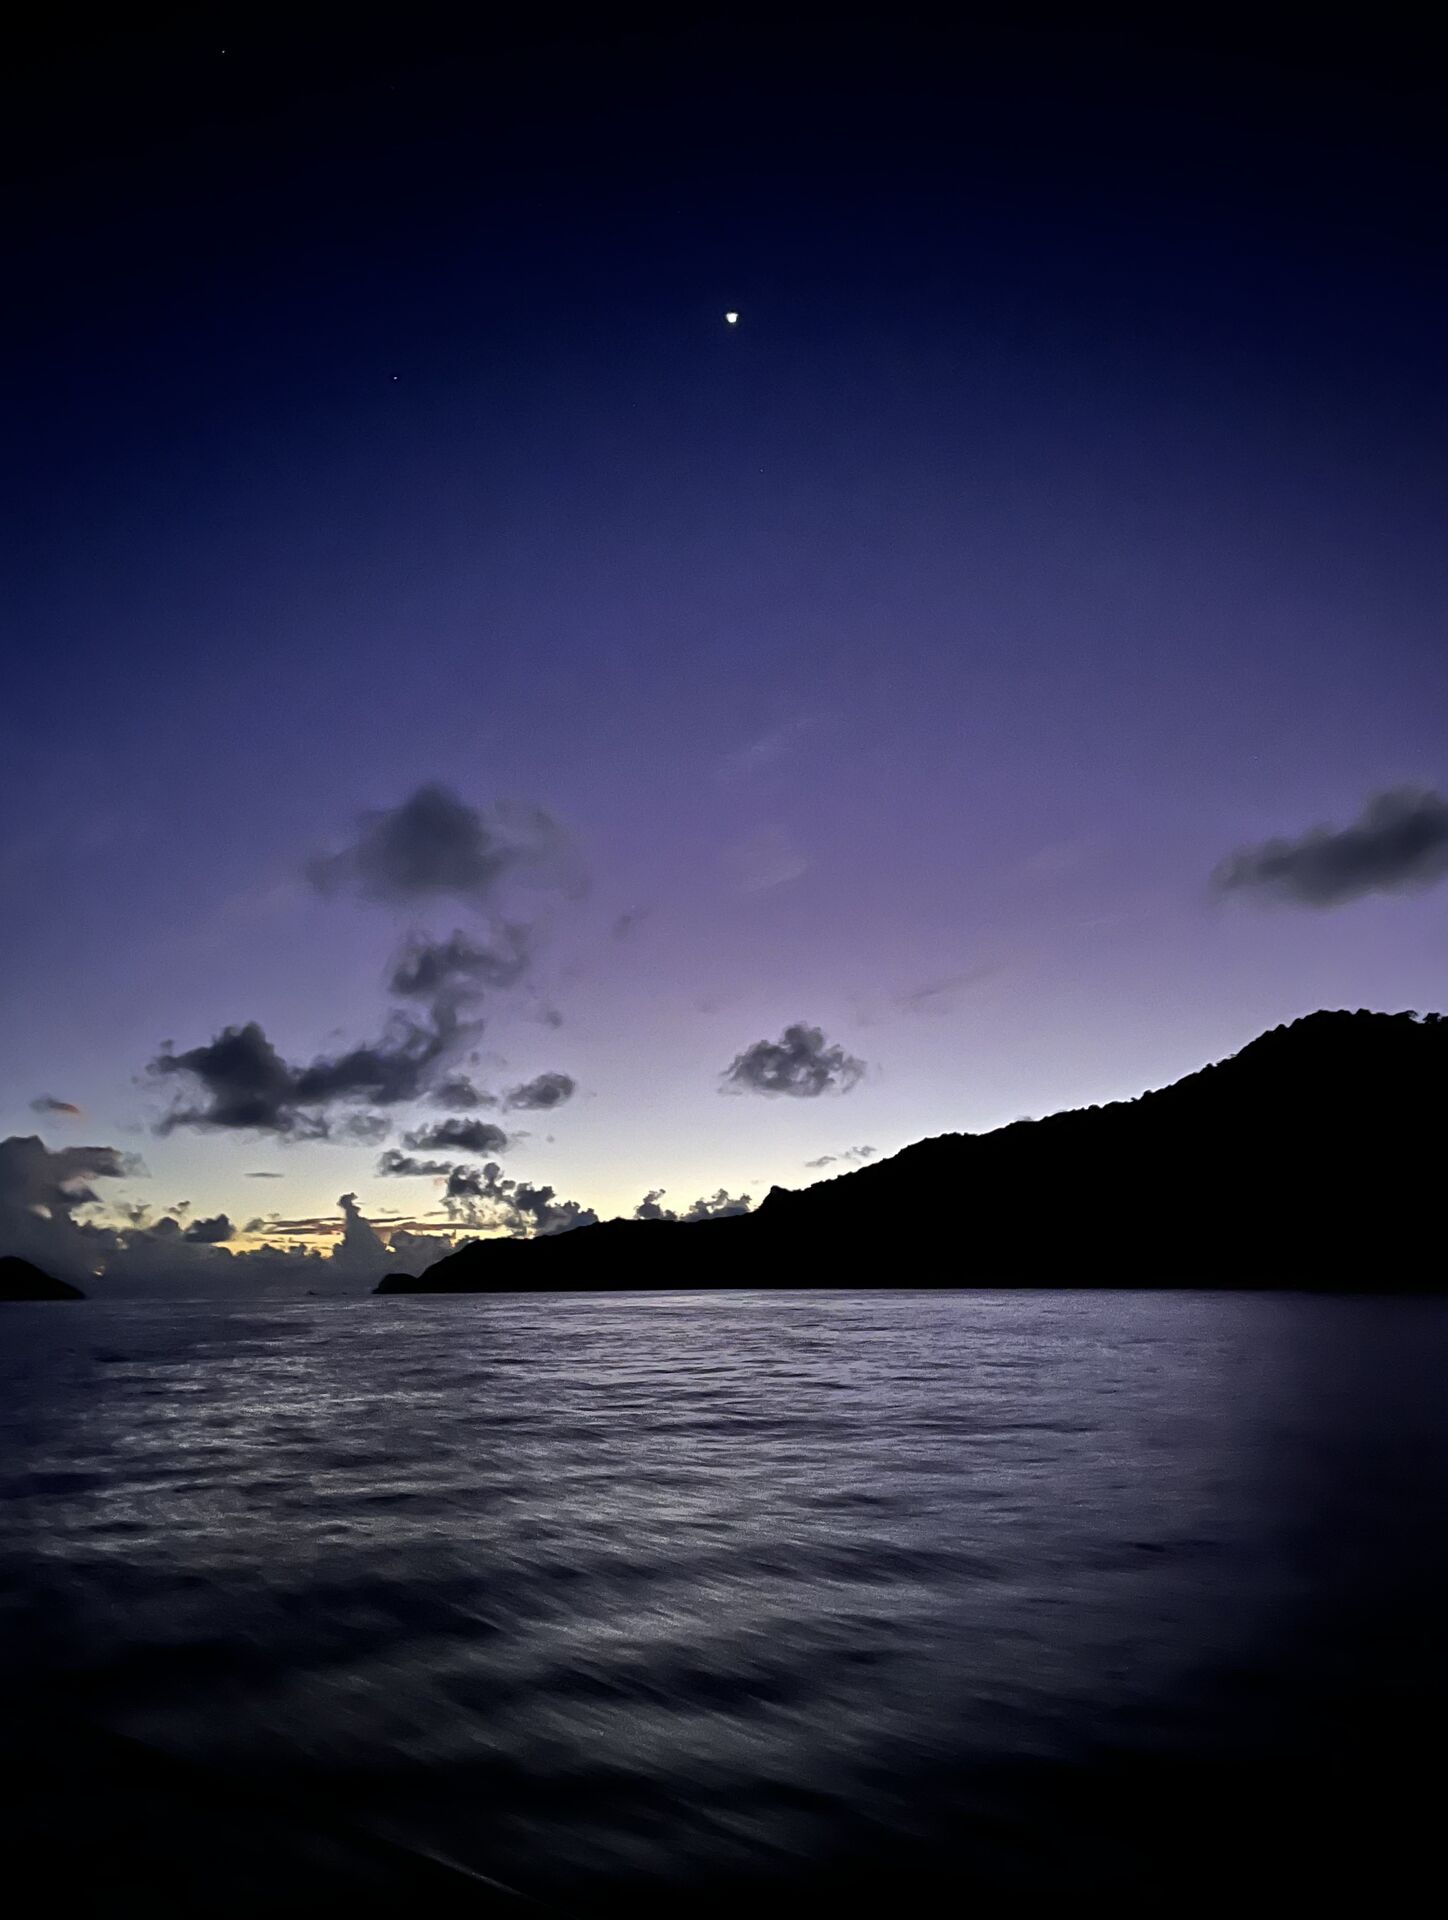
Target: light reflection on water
pixel 625 1592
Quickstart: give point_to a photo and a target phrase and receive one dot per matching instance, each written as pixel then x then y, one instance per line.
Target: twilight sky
pixel 866 721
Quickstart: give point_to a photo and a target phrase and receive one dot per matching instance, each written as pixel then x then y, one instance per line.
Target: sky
pixel 1003 671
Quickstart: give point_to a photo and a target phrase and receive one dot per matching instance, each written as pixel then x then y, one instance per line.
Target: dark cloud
pixel 435 845
pixel 460 1134
pixel 547 1090
pixel 397 1068
pixel 461 1094
pixel 41 1192
pixel 410 1249
pixel 47 1103
pixel 361 1249
pixel 851 1155
pixel 461 969
pixel 394 1161
pixel 247 1086
pixel 1398 844
pixel 210 1233
pixel 799 1063
pixel 246 1082
pixel 263 1176
pixel 56 1181
pixel 472 1183
pixel 717 1207
pixel 481 1198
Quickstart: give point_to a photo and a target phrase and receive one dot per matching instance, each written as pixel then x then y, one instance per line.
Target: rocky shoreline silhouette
pixel 21 1280
pixel 1302 1161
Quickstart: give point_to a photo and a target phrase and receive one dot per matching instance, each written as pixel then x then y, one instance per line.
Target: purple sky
pixel 1064 514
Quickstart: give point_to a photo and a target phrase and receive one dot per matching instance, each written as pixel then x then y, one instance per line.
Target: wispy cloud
pixel 850 1156
pixel 774 745
pixel 767 858
pixel 937 996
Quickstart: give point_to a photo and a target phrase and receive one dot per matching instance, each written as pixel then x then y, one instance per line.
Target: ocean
pixel 725 1600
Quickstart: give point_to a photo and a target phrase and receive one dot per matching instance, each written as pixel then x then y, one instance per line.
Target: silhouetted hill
pixel 21 1281
pixel 1311 1158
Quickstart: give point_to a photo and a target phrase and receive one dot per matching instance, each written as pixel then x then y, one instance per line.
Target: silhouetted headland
pixel 19 1280
pixel 1310 1159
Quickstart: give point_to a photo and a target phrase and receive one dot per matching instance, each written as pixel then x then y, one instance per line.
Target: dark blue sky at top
pixel 1065 511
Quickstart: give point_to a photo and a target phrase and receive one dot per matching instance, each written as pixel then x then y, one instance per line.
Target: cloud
pixel 41 1192
pixel 411 1249
pixel 1398 844
pixel 850 1156
pixel 460 1093
pixel 473 1183
pixel 47 1103
pixel 720 1205
pixel 799 1063
pixel 717 1207
pixel 482 1198
pixel 361 1250
pixel 246 1085
pixel 246 1082
pixel 547 1090
pixel 210 1233
pixel 459 1134
pixel 935 996
pixel 461 969
pixel 768 858
pixel 435 846
pixel 1061 857
pixel 396 1068
pixel 394 1161
pixel 264 1176
pixel 777 744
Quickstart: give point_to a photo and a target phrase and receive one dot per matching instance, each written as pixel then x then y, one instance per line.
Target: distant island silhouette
pixel 1307 1160
pixel 19 1280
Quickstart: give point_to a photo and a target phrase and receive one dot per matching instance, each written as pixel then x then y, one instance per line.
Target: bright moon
pixel 732 318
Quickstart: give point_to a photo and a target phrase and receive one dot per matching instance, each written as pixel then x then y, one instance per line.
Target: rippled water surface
pixel 615 1598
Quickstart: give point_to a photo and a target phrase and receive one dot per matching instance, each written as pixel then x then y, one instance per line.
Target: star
pixel 732 319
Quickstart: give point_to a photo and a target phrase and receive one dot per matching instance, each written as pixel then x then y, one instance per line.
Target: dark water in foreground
pixel 622 1599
